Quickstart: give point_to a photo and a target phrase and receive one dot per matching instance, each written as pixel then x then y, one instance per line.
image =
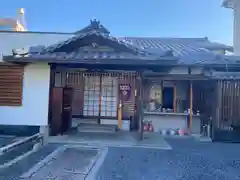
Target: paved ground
pixel 188 160
pixel 65 163
pixel 119 139
pixel 16 170
pixel 7 140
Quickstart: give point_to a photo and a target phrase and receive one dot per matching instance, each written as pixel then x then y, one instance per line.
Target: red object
pixel 150 127
pixel 181 132
pixel 145 127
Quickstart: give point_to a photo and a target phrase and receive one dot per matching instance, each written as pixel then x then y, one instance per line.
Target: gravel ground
pixel 188 160
pixel 16 170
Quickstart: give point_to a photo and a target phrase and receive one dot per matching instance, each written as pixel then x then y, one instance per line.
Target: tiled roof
pixel 186 50
pixel 57 47
pixel 179 46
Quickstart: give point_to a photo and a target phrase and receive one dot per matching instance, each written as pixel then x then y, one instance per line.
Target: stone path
pixel 66 162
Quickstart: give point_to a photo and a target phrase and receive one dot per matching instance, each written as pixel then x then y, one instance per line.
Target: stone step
pixel 88 121
pixel 96 128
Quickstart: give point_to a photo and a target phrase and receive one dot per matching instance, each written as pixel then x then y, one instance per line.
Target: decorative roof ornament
pixel 228 3
pixel 94 26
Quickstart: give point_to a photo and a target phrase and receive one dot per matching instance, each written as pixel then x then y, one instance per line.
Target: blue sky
pixel 161 18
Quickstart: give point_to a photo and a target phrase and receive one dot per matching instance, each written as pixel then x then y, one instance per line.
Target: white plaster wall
pixel 184 70
pixel 34 109
pixel 236 28
pixel 13 40
pixel 197 70
pixel 179 70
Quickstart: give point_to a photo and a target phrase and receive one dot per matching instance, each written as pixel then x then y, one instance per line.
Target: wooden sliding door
pixel 100 96
pixel 109 96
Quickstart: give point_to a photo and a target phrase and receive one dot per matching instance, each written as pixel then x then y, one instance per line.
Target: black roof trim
pixel 94 25
pixel 114 61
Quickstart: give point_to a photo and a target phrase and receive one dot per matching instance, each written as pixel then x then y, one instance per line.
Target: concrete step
pixel 96 128
pixel 87 121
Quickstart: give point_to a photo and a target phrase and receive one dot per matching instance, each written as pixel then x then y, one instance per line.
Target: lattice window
pixel 109 96
pixel 91 95
pixel 74 79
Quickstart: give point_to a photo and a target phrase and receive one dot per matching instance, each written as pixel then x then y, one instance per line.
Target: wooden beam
pixel 177 77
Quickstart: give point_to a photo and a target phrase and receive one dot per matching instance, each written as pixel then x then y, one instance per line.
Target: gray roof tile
pixel 179 46
pixel 135 49
pixel 186 50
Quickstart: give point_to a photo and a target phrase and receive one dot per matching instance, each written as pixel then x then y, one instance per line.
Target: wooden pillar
pixel 219 105
pixel 215 108
pixel 100 99
pixel 51 85
pixel 190 105
pixel 174 98
pixel 120 114
pixel 141 111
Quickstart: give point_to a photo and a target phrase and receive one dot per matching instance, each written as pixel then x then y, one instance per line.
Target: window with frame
pixel 11 79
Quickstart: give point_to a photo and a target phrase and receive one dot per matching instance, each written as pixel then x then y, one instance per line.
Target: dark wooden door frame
pixel 51 85
pixel 56 110
pixel 66 115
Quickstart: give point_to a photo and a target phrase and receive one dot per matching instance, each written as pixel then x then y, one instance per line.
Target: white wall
pixel 236 28
pixel 184 70
pixel 34 109
pixel 13 40
pixel 235 5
